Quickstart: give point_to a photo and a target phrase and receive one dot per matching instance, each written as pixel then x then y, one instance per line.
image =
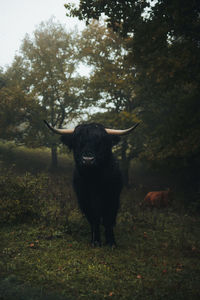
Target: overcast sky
pixel 18 17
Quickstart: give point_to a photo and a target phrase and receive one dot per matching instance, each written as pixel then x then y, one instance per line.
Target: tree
pixel 164 53
pixel 15 106
pixel 45 71
pixel 112 85
pixel 112 77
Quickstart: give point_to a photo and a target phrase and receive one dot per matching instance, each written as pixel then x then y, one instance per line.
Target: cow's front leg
pixel 96 237
pixel 109 235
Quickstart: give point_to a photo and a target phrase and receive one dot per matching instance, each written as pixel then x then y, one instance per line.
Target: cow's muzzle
pixel 88 160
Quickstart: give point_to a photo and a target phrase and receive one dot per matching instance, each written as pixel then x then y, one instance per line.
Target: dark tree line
pixel 163 48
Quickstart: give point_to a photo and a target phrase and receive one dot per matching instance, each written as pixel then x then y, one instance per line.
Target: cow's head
pixel 91 143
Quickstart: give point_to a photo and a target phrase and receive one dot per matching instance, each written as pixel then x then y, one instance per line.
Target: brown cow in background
pixel 157 199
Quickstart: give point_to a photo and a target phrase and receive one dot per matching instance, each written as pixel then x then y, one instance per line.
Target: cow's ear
pixel 114 139
pixel 68 140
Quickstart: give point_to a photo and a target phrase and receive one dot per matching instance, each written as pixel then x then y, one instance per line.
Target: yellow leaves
pixel 88 50
pixel 179 268
pixel 145 235
pixel 34 245
pixel 127 117
pixel 158 79
pixel 110 294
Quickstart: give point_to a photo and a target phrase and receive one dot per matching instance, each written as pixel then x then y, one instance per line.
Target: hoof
pixel 112 245
pixel 96 244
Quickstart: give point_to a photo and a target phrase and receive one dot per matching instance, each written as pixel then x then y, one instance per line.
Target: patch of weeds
pixel 34 198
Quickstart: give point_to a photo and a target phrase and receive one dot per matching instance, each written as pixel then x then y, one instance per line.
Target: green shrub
pixel 20 197
pixel 33 198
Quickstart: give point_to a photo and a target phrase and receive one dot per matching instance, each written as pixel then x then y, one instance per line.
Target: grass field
pixel 49 256
pixel 157 258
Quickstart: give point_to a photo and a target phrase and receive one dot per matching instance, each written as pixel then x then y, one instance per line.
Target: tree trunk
pixel 125 164
pixel 125 172
pixel 54 157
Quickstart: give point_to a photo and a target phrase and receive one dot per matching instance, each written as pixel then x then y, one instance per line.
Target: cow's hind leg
pixel 109 223
pixel 109 235
pixel 95 232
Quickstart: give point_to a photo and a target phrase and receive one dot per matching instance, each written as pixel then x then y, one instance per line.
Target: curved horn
pixel 59 131
pixel 121 132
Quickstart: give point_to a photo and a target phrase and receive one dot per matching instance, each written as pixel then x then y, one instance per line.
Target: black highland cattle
pixel 97 179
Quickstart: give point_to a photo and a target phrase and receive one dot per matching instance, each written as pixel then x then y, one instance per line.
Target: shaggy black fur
pixel 97 179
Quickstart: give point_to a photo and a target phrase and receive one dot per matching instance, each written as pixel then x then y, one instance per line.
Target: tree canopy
pixel 164 58
pixel 144 66
pixel 162 47
pixel 45 71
